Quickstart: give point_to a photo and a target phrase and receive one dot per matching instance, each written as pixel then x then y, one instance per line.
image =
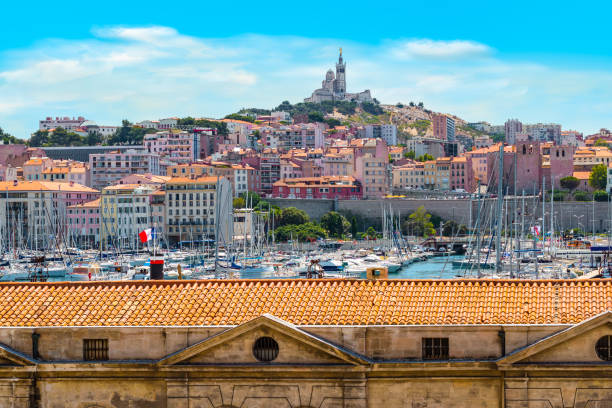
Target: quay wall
pixel 570 214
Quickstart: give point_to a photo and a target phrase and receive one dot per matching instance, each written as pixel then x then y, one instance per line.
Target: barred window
pixel 435 348
pixel 265 349
pixel 95 349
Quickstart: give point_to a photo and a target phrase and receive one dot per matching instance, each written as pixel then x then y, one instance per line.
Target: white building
pixel 386 132
pixel 125 211
pixel 108 168
pixel 65 122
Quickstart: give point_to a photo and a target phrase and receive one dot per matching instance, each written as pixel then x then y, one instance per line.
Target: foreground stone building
pixel 306 343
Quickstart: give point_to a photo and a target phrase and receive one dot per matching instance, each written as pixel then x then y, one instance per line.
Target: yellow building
pixel 429 174
pixel 443 166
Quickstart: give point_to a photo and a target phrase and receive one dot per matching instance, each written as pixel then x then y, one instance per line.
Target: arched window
pixel 603 348
pixel 524 149
pixel 563 153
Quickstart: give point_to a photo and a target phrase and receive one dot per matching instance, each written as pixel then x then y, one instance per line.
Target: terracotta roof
pixel 45 186
pixel 303 302
pixel 89 204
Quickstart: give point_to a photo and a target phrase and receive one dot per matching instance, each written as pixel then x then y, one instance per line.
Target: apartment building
pixel 387 132
pixel 334 187
pixel 174 145
pixel 408 176
pixel 429 174
pixel 190 208
pixel 461 174
pixel 587 158
pixel 84 223
pixel 66 122
pixel 125 211
pixel 107 168
pixel 373 173
pixel 443 127
pixel 32 211
pixel 512 127
pixel 443 165
pixel 337 164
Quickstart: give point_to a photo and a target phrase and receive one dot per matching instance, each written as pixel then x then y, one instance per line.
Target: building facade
pixel 190 209
pixel 125 211
pixel 306 343
pixel 107 168
pixel 340 187
pixel 443 127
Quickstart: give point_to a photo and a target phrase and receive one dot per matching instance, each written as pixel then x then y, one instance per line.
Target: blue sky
pixel 537 61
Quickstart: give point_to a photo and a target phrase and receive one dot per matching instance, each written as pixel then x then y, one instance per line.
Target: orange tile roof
pixel 45 186
pixel 303 302
pixel 89 204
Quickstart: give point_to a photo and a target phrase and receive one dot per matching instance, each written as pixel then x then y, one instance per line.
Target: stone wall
pixel 566 214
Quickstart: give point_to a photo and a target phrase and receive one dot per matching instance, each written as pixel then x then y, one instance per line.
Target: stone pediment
pixel 572 346
pixel 235 347
pixel 10 357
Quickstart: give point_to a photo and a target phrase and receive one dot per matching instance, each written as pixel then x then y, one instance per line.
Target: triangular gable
pixel 556 339
pixel 271 322
pixel 8 354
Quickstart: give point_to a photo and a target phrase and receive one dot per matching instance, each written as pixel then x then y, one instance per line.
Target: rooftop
pixel 303 302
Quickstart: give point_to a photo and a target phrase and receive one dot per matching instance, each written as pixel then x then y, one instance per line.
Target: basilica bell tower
pixel 340 82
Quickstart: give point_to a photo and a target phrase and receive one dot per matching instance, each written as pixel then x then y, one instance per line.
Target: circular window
pixel 265 349
pixel 603 348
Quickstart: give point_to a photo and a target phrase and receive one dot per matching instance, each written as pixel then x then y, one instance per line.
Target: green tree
pixel 354 226
pixel 599 177
pixel 601 142
pixel 304 232
pixel 570 183
pixel 315 117
pixel 9 139
pixel 293 216
pixel 425 157
pixel 582 196
pixel 372 108
pixel 332 122
pixel 238 202
pixel 237 116
pixel 371 233
pixel 251 198
pixel 409 155
pixel 419 223
pixel 451 228
pixel 600 195
pixel 335 224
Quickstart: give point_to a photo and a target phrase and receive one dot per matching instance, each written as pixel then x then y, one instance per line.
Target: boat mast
pixel 500 201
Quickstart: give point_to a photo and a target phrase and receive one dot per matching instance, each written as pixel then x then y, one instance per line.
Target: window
pixel 265 349
pixel 603 348
pixel 435 348
pixel 95 349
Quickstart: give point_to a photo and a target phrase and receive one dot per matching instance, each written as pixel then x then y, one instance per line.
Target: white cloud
pixel 425 48
pixel 150 72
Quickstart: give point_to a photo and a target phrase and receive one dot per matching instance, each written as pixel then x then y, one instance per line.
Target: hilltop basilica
pixel 333 88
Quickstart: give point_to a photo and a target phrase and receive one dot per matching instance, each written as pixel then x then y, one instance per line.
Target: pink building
pixel 337 164
pixel 84 222
pixel 174 145
pixel 561 163
pixel 461 174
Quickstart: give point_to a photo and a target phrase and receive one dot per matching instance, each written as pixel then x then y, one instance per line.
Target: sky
pixel 538 61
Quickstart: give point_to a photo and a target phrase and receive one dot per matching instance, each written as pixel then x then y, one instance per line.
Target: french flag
pixel 146 235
